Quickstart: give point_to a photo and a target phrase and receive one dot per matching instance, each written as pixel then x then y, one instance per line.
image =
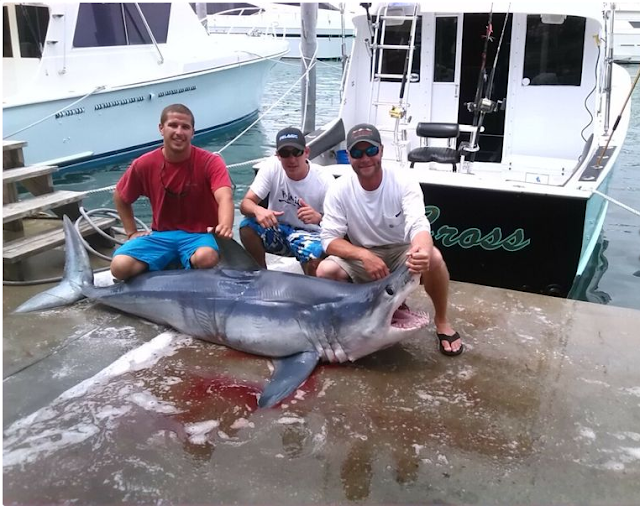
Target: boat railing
pixel 240 12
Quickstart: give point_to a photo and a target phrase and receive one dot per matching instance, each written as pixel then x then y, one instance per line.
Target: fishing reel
pixel 485 106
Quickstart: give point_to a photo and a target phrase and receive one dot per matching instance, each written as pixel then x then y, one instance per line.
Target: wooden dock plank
pixel 19 249
pixel 22 173
pixel 18 210
pixel 11 145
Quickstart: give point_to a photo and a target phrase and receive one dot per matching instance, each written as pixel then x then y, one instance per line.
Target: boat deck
pixel 542 408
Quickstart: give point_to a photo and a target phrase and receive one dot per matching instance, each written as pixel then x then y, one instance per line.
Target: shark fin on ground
pixel 234 256
pixel 290 372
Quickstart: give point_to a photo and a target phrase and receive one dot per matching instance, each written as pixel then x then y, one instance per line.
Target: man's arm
pixel 250 206
pixel 224 198
pixel 125 211
pixel 374 266
pixel 419 254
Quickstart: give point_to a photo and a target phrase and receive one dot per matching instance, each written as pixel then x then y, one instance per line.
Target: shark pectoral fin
pixel 290 372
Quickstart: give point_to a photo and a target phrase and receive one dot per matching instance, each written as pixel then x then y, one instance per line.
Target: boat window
pixel 554 51
pixel 7 52
pixel 446 43
pixel 635 24
pixel 393 60
pixel 102 25
pixel 32 24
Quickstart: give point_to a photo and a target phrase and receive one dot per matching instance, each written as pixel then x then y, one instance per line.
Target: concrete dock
pixel 542 408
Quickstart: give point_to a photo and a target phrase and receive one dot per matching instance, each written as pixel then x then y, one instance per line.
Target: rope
pixel 616 202
pixel 99 88
pixel 267 111
pixel 84 215
pixel 306 72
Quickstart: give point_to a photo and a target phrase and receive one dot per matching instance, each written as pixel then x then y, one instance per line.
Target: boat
pixel 626 31
pixel 85 81
pixel 334 30
pixel 510 115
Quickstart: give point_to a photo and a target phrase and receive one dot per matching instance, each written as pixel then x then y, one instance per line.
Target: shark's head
pixel 385 322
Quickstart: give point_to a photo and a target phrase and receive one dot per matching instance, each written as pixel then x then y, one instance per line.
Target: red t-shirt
pixel 181 194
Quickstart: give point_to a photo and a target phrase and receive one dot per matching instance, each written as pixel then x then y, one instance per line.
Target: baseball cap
pixel 364 132
pixel 290 137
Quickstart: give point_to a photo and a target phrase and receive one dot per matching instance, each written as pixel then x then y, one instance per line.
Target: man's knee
pixel 328 269
pixel 310 267
pixel 247 234
pixel 204 258
pixel 124 267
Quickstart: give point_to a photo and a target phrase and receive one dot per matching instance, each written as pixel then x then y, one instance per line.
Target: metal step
pixel 392 46
pixel 395 18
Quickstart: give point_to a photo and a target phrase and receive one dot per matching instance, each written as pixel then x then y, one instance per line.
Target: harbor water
pixel 615 267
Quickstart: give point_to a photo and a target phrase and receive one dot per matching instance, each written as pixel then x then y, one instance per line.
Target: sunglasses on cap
pixel 286 153
pixel 359 153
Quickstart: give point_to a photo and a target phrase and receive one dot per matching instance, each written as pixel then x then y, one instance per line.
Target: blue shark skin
pixel 294 319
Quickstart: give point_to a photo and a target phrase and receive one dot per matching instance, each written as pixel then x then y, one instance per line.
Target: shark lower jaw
pixel 407 320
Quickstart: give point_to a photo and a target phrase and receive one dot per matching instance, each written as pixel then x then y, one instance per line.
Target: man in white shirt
pixel 382 213
pixel 289 226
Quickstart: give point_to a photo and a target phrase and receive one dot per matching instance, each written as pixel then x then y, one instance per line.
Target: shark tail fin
pixel 77 274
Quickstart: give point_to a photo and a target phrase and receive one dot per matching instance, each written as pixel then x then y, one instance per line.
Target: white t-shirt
pixel 285 193
pixel 391 214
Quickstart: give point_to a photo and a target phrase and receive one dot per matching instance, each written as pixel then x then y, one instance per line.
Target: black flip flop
pixel 449 339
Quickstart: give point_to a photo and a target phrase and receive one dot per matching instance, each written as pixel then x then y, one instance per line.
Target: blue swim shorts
pixel 287 241
pixel 160 249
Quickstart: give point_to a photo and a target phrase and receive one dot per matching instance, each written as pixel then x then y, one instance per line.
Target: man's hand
pixel 267 218
pixel 138 233
pixel 374 266
pixel 222 230
pixel 307 214
pixel 418 258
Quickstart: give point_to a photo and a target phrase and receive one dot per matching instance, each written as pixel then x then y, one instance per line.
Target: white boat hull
pixel 100 125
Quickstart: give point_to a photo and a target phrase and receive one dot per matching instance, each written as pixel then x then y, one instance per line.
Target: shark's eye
pixel 389 290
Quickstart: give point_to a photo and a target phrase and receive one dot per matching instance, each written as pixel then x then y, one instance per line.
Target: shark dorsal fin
pixel 234 256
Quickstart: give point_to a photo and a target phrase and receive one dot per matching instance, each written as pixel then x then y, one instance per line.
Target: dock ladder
pixel 388 14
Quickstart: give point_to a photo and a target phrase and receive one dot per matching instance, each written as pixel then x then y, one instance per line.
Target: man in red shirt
pixel 189 190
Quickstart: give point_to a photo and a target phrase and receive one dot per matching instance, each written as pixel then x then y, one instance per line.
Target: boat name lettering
pixel 176 91
pixel 69 112
pixel 470 237
pixel 115 103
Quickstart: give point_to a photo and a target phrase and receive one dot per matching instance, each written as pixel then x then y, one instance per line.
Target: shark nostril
pixel 389 290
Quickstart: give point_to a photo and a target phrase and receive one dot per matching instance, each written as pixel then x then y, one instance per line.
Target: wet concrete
pixel 543 407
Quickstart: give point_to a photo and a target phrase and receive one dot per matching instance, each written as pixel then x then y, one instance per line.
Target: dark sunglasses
pixel 170 192
pixel 370 151
pixel 286 153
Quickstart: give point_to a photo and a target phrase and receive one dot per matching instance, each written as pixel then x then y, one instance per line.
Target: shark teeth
pixel 405 318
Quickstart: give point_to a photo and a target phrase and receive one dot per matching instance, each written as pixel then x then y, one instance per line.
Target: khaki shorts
pixel 394 255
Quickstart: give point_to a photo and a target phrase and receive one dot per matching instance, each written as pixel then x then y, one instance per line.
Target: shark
pixel 295 320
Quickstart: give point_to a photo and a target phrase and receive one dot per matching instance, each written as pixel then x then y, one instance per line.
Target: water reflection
pixel 586 288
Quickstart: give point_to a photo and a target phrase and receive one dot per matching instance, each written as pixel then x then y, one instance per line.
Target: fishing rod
pixel 484 104
pixel 495 60
pixel 474 106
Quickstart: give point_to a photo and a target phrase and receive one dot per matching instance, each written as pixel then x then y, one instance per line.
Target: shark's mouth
pixel 408 319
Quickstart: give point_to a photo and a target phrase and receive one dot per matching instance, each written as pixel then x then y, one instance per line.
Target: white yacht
pixel 510 115
pixel 87 80
pixel 626 31
pixel 334 29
